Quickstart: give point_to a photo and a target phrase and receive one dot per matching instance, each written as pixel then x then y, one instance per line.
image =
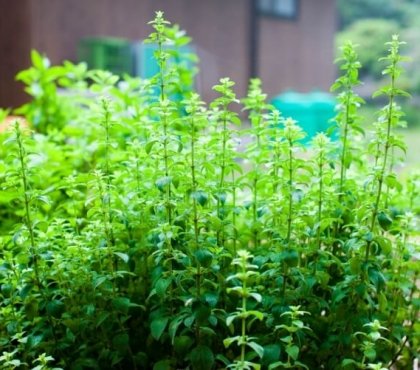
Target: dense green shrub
pixel 352 11
pixel 370 35
pixel 135 235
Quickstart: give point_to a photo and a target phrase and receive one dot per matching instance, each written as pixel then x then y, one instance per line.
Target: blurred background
pixel 289 44
pixel 369 24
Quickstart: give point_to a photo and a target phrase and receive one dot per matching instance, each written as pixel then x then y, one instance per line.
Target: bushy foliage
pixel 370 35
pixel 352 11
pixel 135 235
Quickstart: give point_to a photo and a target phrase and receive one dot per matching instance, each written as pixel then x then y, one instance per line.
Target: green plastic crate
pixel 112 54
pixel 313 111
pixel 323 105
pixel 146 65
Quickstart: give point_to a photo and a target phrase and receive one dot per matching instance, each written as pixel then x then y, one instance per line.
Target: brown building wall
pixel 56 26
pixel 298 54
pixel 292 54
pixel 15 44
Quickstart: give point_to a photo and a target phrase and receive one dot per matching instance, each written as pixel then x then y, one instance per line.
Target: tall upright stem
pixel 221 234
pixel 235 233
pixel 384 164
pixel 320 190
pixel 289 215
pixel 27 201
pixel 344 150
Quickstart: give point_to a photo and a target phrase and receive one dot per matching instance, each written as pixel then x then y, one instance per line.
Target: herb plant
pixel 145 229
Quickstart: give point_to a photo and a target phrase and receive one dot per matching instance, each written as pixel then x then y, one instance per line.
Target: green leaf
pixel 355 265
pixel 99 280
pixel 182 344
pixel 101 318
pixel 385 244
pixel 173 327
pixel 377 278
pixel 162 365
pixel 256 296
pixel 163 182
pixel 348 362
pixel 290 257
pixel 38 60
pixel 259 315
pixel 211 299
pixel 201 311
pixel 278 364
pixel 228 341
pixel 161 286
pixel 149 145
pixel 370 353
pixel 121 341
pixel 204 257
pixel 392 182
pixel 293 351
pixel 35 340
pixel 55 308
pixel 202 358
pixel 121 304
pixel 229 319
pixel 157 326
pixel 271 354
pixel 259 350
pixel 123 256
pixel 6 290
pixel 32 308
pixel 200 196
pixel 24 292
pixel 383 302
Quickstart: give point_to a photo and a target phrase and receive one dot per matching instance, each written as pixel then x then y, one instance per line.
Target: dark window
pixel 278 8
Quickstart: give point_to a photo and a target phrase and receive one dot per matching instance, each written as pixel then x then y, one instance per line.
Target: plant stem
pixel 321 182
pixel 106 123
pixel 194 183
pixel 105 212
pixel 276 168
pixel 195 219
pixel 162 65
pixel 27 201
pixel 290 210
pixel 221 236
pixel 254 210
pixel 385 157
pixel 344 150
pixel 235 233
pixel 255 182
pixel 166 166
pixel 243 319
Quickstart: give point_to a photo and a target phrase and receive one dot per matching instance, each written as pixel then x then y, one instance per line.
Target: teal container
pixel 313 111
pixel 323 105
pixel 112 54
pixel 146 65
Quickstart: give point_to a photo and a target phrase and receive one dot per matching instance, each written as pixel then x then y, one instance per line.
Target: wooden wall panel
pixel 298 54
pixel 15 40
pixel 219 29
pixel 292 54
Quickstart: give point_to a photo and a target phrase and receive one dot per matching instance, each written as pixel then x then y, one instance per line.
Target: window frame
pixel 273 14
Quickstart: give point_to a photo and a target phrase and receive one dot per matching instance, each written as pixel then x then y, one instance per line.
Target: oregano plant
pixel 142 228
